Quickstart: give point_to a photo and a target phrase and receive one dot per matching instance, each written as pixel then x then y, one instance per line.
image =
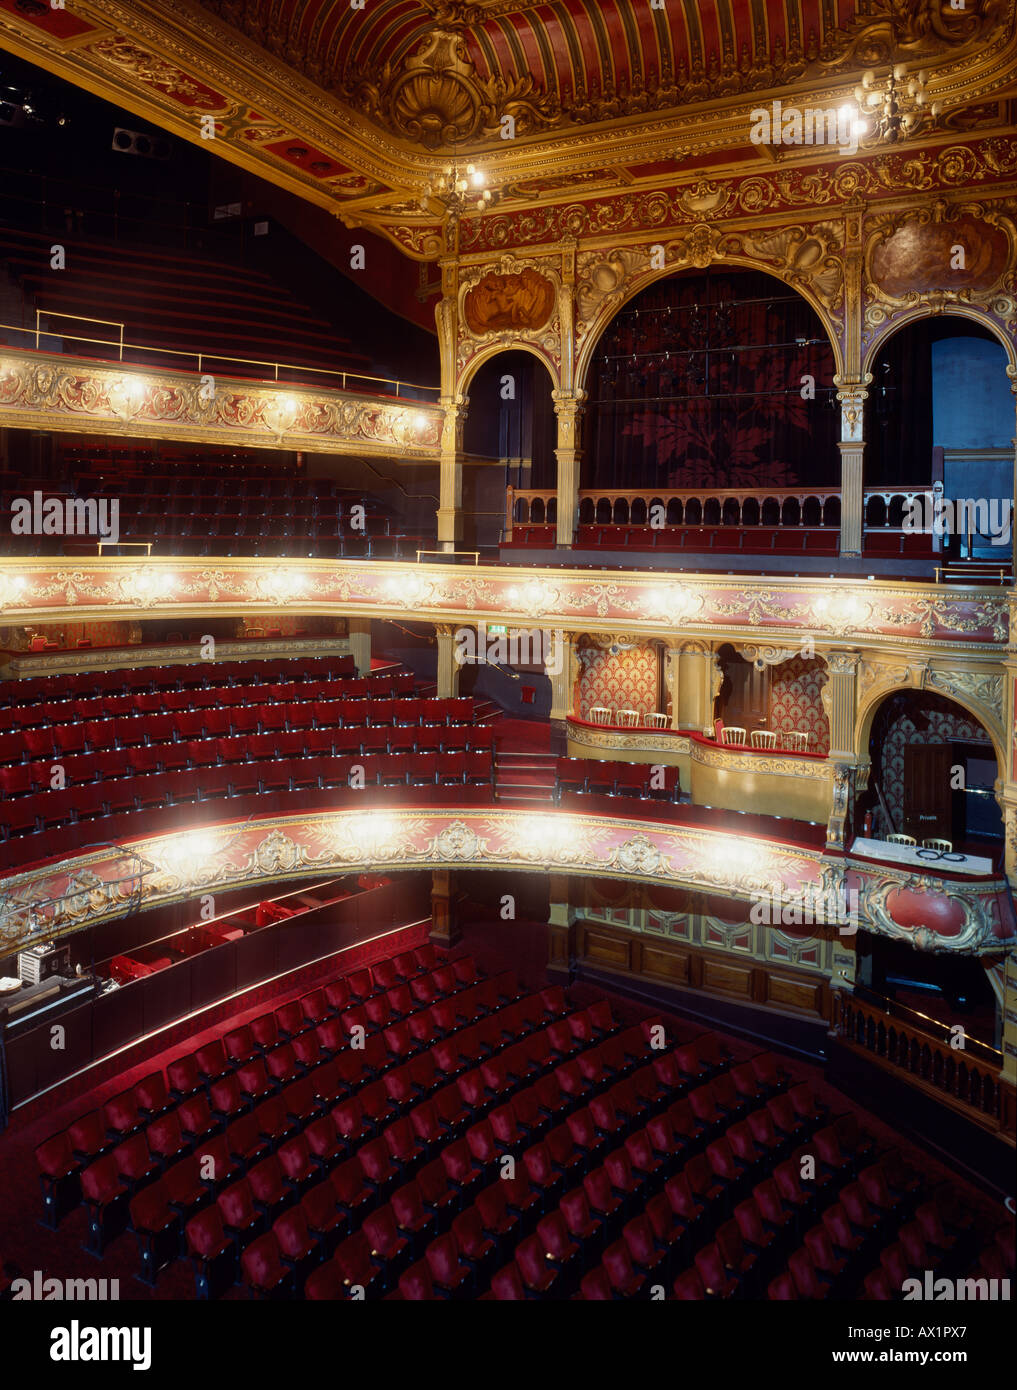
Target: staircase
pixel 526 778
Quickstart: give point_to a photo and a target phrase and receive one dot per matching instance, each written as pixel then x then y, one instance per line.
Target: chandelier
pixel 460 189
pixel 897 110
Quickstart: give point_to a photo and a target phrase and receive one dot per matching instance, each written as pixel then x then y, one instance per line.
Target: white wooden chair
pixel 763 738
pixel 627 718
pixel 944 846
pixel 600 714
pixel 657 721
pixel 897 839
pixel 732 734
pixel 796 740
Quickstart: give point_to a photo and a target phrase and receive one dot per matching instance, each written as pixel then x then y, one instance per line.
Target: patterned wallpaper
pixel 946 722
pixel 795 700
pixel 624 680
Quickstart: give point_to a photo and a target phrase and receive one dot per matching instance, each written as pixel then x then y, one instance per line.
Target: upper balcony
pixel 761 530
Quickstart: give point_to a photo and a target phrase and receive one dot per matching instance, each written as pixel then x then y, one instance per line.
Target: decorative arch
pixel 939 310
pixel 633 281
pixel 487 354
pixel 921 681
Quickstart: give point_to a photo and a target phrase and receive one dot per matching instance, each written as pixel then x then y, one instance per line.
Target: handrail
pixel 958 1078
pixel 926 1022
pixel 201 358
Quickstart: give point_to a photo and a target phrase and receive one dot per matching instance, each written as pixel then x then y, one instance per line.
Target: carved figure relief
pixel 524 300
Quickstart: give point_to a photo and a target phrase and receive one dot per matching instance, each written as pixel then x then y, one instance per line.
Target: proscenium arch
pixel 926 311
pixel 867 713
pixel 649 277
pixel 499 349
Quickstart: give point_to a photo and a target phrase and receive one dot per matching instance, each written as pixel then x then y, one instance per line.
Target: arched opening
pixel 511 431
pixel 697 383
pixel 933 766
pixel 940 411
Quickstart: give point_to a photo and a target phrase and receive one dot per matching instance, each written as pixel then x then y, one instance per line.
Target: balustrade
pixel 814 508
pixel 968 1077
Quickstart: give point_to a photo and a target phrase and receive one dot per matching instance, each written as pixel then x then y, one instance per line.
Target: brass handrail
pixel 202 358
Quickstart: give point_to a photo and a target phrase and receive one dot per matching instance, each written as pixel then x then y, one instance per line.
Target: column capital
pixel 840 663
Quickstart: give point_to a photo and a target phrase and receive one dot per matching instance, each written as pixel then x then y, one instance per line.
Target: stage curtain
pixel 698 383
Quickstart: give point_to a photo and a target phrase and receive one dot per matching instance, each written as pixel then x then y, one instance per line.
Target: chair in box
pixel 763 738
pixel 796 740
pixel 732 733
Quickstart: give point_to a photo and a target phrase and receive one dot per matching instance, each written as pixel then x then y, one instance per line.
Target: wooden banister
pixel 955 1076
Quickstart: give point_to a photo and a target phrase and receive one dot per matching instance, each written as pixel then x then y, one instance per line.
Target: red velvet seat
pixel 324 1219
pixel 474 1245
pixel 414 1220
pixel 105 1195
pixel 59 1175
pixel 449 1274
pixel 156 1227
pixel 263 1270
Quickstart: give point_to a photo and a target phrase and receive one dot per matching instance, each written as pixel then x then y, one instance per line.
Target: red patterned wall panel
pixel 796 703
pixel 623 680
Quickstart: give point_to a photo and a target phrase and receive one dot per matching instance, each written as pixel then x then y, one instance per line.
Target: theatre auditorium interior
pixel 508 649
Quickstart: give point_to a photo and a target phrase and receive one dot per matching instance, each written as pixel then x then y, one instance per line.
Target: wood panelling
pixel 796 992
pixel 662 963
pixel 800 993
pixel 725 977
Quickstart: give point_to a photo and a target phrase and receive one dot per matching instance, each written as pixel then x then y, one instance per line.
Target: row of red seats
pixel 309 1126
pixel 79 769
pixel 269 1264
pixel 588 1212
pixel 659 1235
pixel 303 1022
pixel 598 776
pixel 72 710
pixel 27 816
pixel 89 684
pixel 371 1256
pixel 145 729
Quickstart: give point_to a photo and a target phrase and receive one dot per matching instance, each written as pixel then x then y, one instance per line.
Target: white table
pixel 915 857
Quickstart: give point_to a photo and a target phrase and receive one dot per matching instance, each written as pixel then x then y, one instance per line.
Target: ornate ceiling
pixel 358 109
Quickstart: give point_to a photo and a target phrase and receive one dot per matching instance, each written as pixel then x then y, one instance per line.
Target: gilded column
pixel 672 658
pixel 695 685
pixel 1006 785
pixel 450 490
pixel 568 407
pixel 559 667
pixel 840 699
pixel 448 667
pixel 852 396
